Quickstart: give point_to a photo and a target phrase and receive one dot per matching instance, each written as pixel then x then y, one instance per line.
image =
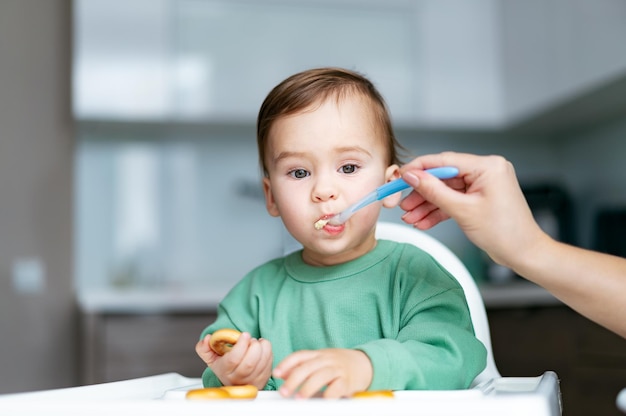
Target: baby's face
pixel 319 162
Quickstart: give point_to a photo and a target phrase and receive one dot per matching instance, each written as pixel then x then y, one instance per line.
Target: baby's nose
pixel 324 191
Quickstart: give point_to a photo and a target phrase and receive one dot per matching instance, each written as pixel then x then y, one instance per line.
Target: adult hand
pixel 489 206
pixel 485 200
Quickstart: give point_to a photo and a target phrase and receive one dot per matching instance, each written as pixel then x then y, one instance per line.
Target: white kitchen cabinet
pixel 439 63
pixel 555 51
pixel 121 59
pixel 217 60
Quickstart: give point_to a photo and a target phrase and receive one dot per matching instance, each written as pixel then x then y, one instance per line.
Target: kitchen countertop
pixel 517 294
pixel 136 301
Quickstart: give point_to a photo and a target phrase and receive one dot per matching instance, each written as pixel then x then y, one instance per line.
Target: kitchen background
pixel 129 185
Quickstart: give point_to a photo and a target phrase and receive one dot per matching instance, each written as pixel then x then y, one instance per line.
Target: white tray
pixel 165 395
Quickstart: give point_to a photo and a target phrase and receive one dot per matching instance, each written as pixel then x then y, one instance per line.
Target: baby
pixel 347 312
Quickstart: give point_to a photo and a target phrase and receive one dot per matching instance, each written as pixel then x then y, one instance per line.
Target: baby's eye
pixel 299 173
pixel 349 168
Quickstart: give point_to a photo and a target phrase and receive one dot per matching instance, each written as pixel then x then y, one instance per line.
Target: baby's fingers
pixel 204 350
pixel 295 369
pixel 284 368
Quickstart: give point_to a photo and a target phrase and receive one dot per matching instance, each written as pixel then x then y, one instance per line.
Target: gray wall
pixel 37 323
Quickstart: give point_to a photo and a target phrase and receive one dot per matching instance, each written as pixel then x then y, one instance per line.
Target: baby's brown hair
pixel 302 90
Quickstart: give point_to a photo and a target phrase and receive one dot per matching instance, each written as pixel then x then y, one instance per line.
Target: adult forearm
pixel 592 283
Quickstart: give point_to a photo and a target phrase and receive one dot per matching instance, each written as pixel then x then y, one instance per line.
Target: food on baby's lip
pixel 246 391
pixel 374 394
pixel 320 223
pixel 223 340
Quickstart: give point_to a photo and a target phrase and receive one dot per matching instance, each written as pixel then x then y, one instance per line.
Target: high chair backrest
pixel 445 257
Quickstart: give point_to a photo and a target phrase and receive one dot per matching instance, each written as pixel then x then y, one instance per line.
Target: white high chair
pixel 445 257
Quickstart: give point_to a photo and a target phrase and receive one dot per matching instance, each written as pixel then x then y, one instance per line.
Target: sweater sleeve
pixel 435 349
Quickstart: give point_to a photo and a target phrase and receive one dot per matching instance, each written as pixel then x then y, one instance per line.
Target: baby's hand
pixel 249 361
pixel 343 372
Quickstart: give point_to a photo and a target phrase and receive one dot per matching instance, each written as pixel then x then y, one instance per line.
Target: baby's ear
pixel 270 202
pixel 392 173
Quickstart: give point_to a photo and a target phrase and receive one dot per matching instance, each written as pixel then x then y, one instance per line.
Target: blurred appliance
pixel 610 231
pixel 552 208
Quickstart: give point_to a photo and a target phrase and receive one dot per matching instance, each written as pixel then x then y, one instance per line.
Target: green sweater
pixel 396 304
